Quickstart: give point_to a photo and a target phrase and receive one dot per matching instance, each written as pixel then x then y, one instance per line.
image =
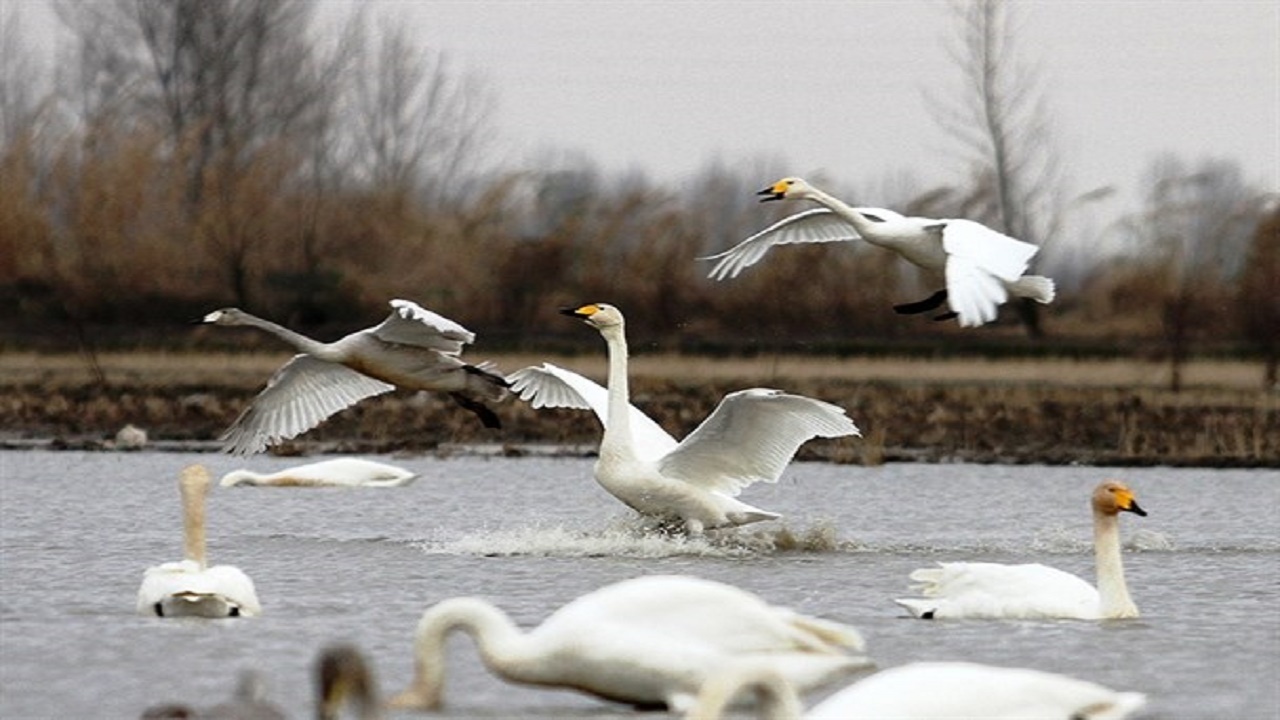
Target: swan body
pixel 1034 591
pixel 646 641
pixel 979 267
pixel 927 691
pixel 338 472
pixel 189 587
pixel 413 348
pixel 751 436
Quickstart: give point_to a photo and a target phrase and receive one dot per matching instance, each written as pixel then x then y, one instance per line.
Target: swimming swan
pixel 338 472
pixel 751 436
pixel 413 348
pixel 189 588
pixel 979 267
pixel 993 590
pixel 342 677
pixel 648 641
pixel 925 691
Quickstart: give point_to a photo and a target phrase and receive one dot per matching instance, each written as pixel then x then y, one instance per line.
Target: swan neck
pixel 502 645
pixel 1112 589
pixel 775 698
pixel 300 342
pixel 841 208
pixel 618 428
pixel 193 512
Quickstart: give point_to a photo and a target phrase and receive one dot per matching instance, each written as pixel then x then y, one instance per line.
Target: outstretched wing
pixel 978 260
pixel 302 393
pixel 819 225
pixel 550 386
pixel 412 324
pixel 751 436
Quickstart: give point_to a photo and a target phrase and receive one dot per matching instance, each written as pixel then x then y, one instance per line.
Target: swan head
pixel 789 188
pixel 224 316
pixel 343 676
pixel 597 315
pixel 1114 497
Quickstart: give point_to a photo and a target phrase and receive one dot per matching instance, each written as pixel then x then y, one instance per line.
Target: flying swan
pixel 925 691
pixel 978 267
pixel 189 588
pixel 994 590
pixel 648 641
pixel 413 348
pixel 338 472
pixel 751 436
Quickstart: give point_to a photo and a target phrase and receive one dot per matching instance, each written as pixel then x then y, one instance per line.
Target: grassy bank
pixel 1050 410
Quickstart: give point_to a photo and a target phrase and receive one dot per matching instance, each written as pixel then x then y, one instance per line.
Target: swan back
pixel 337 472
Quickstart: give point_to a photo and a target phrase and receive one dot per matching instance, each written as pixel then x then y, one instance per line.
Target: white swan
pixel 189 587
pixel 993 590
pixel 751 436
pixel 342 677
pixel 978 267
pixel 925 691
pixel 413 348
pixel 647 641
pixel 338 472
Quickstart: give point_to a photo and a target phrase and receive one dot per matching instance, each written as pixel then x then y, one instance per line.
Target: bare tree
pixel 1258 296
pixel 1001 121
pixel 418 123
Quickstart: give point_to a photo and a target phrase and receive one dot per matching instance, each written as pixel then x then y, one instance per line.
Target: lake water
pixel 77 530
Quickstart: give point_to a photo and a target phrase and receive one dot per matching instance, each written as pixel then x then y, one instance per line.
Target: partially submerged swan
pixel 189 588
pixel 342 678
pixel 413 348
pixel 925 691
pixel 978 267
pixel 338 472
pixel 647 641
pixel 994 590
pixel 751 436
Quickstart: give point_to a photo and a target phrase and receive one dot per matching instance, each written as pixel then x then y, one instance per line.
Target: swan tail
pixel 928 581
pixel 1037 287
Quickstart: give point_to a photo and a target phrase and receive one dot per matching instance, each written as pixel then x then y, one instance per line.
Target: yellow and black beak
pixel 1126 502
pixel 1134 508
pixel 582 312
pixel 773 192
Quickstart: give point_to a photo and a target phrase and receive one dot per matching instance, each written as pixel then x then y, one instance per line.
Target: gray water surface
pixel 77 530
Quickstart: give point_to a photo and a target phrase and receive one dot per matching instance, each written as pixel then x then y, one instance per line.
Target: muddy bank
pixel 901 421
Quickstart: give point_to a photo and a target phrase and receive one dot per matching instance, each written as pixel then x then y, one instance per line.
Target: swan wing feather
pixel 751 436
pixel 411 324
pixel 973 293
pixel 550 386
pixel 186 577
pixel 996 253
pixel 299 396
pixel 996 590
pixel 819 225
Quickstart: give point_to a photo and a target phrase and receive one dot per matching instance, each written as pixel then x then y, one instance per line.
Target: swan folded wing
pixel 187 578
pixel 301 394
pixel 973 293
pixel 976 589
pixel 551 386
pixel 996 253
pixel 818 225
pixel 752 436
pixel 412 324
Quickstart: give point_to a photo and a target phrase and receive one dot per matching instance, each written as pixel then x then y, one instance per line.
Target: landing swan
pixel 926 691
pixel 338 472
pixel 646 641
pixel 978 266
pixel 342 677
pixel 993 590
pixel 413 348
pixel 751 436
pixel 189 588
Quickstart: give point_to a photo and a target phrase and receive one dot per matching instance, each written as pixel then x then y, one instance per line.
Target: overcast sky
pixel 838 87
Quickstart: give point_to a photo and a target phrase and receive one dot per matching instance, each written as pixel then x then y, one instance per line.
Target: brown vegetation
pixel 1112 412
